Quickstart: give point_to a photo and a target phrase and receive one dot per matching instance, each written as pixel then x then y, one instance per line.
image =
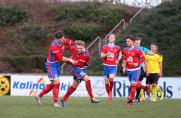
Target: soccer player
pixel 81 56
pixel 52 66
pixel 133 57
pixel 140 93
pixel 154 72
pixel 111 55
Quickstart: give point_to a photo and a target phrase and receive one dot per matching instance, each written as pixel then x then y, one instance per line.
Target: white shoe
pixel 38 99
pixel 153 99
pixel 57 105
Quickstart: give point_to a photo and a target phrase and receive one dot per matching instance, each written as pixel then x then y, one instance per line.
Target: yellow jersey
pixel 153 63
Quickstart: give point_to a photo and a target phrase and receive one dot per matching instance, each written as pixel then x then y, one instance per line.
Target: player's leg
pixel 48 87
pixel 106 76
pixel 133 85
pixel 156 88
pixel 156 78
pixel 69 92
pixel 89 89
pixel 139 92
pixel 56 86
pixel 148 84
pixel 112 75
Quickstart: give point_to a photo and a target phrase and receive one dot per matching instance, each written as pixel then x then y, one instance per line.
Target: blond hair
pixel 80 42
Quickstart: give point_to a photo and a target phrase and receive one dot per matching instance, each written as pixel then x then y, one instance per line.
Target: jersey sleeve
pixel 118 49
pixel 146 57
pixel 124 55
pixel 160 58
pixel 145 50
pixel 142 57
pixel 71 48
pixel 69 42
pixel 103 50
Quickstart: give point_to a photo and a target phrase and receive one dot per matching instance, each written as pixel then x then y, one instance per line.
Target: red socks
pixel 140 86
pixel 89 89
pixel 47 89
pixel 132 92
pixel 107 88
pixel 111 84
pixel 69 92
pixel 56 92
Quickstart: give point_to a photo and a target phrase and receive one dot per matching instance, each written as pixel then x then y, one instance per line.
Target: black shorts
pixel 152 78
pixel 142 74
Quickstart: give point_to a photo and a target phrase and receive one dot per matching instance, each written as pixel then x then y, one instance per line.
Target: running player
pixel 81 56
pixel 52 66
pixel 140 93
pixel 133 57
pixel 111 55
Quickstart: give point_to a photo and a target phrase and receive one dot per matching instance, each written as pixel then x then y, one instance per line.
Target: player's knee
pixel 75 84
pixel 56 82
pixel 111 76
pixel 86 78
pixel 106 81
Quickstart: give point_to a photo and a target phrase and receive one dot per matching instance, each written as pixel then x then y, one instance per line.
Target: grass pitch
pixel 25 107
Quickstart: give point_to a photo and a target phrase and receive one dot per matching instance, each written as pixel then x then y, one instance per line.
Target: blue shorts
pixel 109 71
pixel 134 76
pixel 53 70
pixel 78 74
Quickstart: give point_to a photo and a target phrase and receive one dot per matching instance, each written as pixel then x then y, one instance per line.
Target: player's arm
pixel 142 57
pixel 146 65
pixel 147 51
pixel 161 70
pixel 119 57
pixel 161 66
pixel 69 42
pixel 124 63
pixel 103 53
pixel 56 51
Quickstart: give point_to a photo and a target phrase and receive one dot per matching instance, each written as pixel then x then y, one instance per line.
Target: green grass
pixel 25 107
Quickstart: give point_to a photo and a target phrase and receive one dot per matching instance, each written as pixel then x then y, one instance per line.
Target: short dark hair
pixel 59 34
pixel 137 38
pixel 130 37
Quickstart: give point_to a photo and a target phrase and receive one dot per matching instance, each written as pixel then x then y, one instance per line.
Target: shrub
pixel 11 15
pixel 84 32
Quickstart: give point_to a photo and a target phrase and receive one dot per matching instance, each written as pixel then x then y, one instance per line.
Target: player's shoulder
pixel 117 46
pixel 54 43
pixel 158 54
pixel 137 48
pixel 125 48
pixel 105 47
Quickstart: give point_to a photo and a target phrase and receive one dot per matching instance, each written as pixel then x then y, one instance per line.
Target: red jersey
pixel 133 55
pixel 56 49
pixel 82 59
pixel 112 58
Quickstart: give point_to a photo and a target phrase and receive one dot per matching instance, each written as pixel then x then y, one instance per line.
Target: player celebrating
pixel 133 57
pixel 53 67
pixel 81 56
pixel 139 92
pixel 111 55
pixel 154 71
